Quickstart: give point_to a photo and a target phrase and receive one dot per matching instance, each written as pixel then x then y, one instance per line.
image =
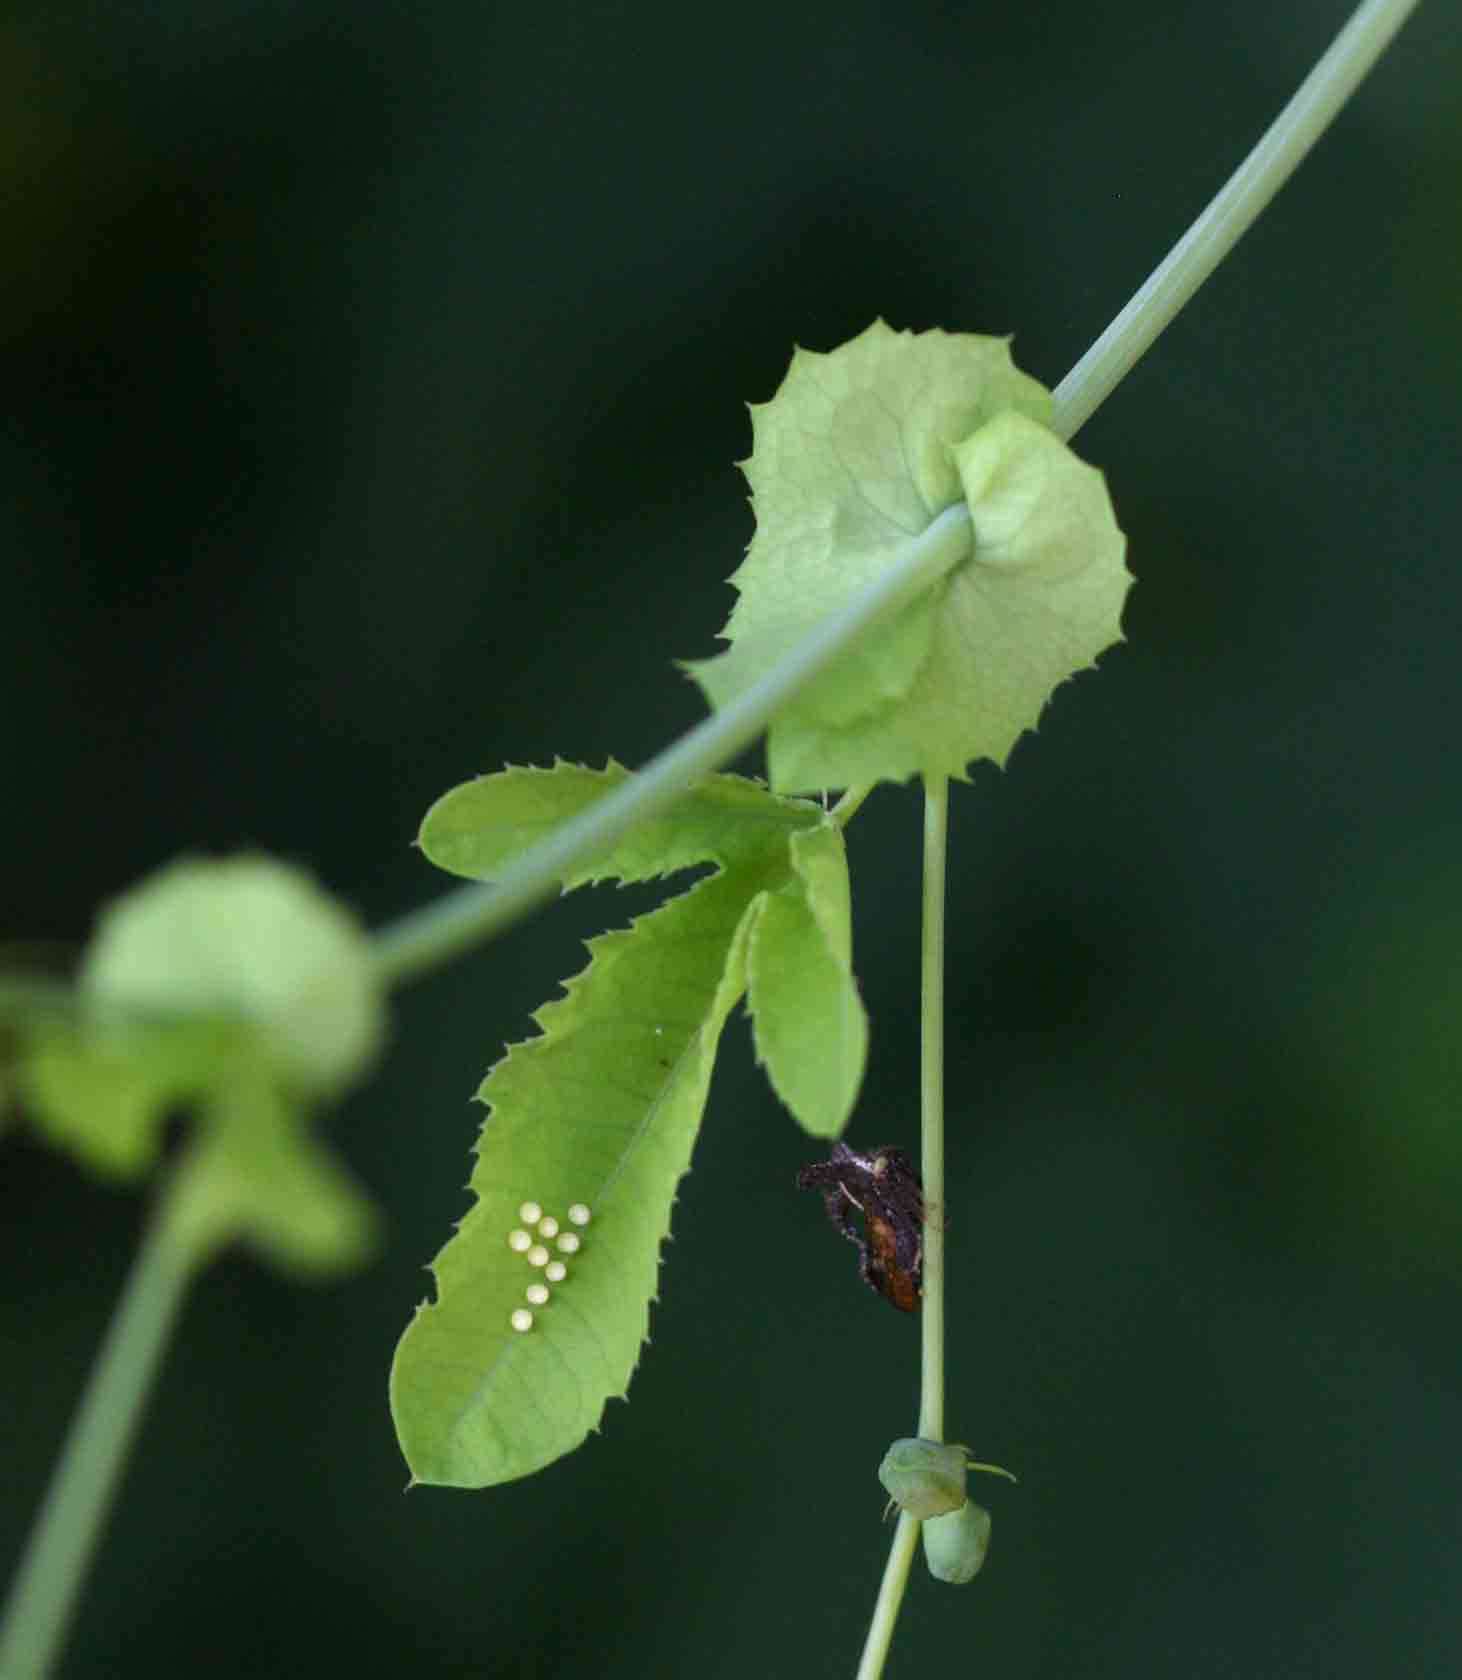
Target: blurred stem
pixel 931 1163
pixel 76 1504
pixel 849 805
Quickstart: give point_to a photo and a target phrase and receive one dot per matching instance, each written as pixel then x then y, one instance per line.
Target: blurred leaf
pixel 258 1175
pixel 235 989
pixel 103 1095
pixel 1386 1003
pixel 245 939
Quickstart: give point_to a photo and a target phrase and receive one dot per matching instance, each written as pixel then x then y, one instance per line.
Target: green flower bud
pixel 955 1544
pixel 924 1478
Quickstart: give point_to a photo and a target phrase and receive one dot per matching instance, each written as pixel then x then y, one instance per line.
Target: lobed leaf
pixel 250 940
pixel 258 1175
pixel 854 456
pixel 102 1094
pixel 603 1107
pixel 238 990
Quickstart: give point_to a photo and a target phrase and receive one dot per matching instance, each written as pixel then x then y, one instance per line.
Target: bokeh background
pixel 371 381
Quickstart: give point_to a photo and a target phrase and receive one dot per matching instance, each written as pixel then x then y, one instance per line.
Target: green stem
pixel 429 937
pixel 890 1597
pixel 849 805
pixel 931 1165
pixel 76 1503
pixel 931 1109
pixel 1235 209
pixel 72 1514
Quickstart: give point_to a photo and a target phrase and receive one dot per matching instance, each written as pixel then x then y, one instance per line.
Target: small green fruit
pixel 924 1478
pixel 955 1545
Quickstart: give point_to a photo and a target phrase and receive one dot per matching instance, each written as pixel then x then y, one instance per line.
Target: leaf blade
pixel 856 453
pixel 477 828
pixel 810 1027
pixel 475 1402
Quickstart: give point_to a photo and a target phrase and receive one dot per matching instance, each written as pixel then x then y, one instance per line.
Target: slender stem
pixel 1233 211
pixel 931 1165
pixel 428 937
pixel 890 1597
pixel 849 805
pixel 72 1513
pixel 931 1108
pixel 76 1504
pixel 1077 398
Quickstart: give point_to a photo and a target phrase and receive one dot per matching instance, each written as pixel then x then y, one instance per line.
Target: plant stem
pixel 71 1516
pixel 849 805
pixel 1232 212
pixel 890 1597
pixel 85 1479
pixel 931 1165
pixel 931 1108
pixel 427 938
pixel 1078 396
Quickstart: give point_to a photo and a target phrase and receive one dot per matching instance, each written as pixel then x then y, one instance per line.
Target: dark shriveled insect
pixel 884 1187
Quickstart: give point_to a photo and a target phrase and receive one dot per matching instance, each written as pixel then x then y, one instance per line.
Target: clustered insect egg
pixel 522 1242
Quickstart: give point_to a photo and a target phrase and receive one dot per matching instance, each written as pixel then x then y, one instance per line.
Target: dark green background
pixel 371 381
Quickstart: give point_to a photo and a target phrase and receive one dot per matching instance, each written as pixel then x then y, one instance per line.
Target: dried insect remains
pixel 884 1187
